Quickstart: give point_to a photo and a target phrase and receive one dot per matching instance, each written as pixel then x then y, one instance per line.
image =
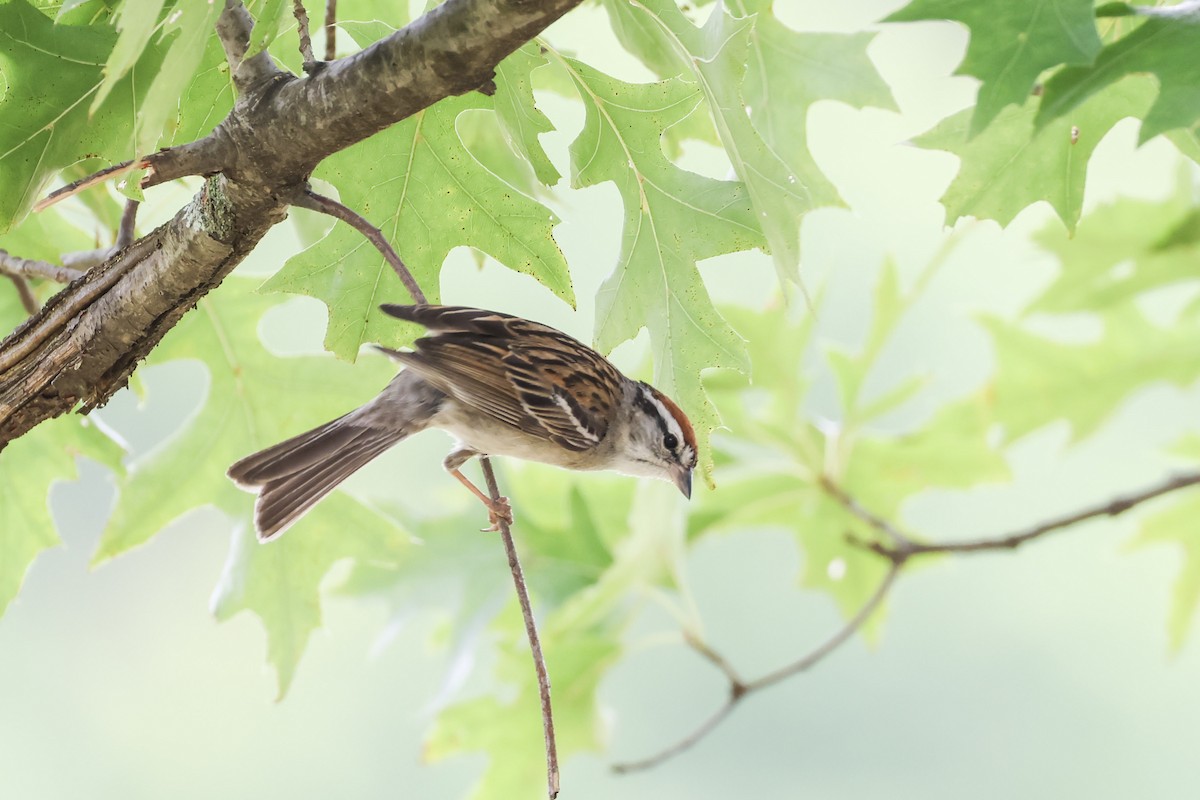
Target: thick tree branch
pixel 82 346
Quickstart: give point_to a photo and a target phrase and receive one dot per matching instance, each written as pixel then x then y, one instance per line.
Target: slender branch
pixel 704 729
pixel 28 301
pixel 1011 541
pixel 75 187
pixel 126 231
pixel 83 260
pixel 739 689
pixel 330 30
pixel 28 268
pixel 306 51
pixel 717 660
pixel 233 29
pixel 531 632
pixel 833 642
pixel 327 205
pixel 898 554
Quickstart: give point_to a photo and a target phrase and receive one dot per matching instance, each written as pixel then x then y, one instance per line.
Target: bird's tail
pixel 292 476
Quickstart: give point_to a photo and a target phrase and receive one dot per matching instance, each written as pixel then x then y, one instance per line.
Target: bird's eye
pixel 670 441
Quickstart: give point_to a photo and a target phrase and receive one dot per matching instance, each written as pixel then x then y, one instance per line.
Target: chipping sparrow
pixel 500 385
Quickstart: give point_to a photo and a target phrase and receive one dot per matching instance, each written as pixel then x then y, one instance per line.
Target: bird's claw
pixel 499 511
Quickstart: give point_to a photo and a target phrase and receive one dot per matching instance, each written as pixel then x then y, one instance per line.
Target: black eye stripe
pixel 648 406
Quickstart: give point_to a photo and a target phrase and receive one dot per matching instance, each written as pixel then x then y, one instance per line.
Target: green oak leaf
pixel 1120 250
pixel 137 20
pixel 1012 164
pixel 778 477
pixel 270 17
pixel 280 581
pixel 28 467
pixel 204 101
pixel 715 58
pixel 673 218
pixel 43 237
pixel 1012 43
pixel 520 119
pixel 187 36
pixel 1163 46
pixel 1039 381
pixel 788 71
pixel 50 73
pixel 1177 525
pixel 395 179
pixel 718 54
pixel 254 399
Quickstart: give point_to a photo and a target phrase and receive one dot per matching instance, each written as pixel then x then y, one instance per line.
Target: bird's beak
pixel 683 479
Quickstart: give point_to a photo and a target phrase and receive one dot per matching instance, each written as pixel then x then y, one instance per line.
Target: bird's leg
pixel 498 510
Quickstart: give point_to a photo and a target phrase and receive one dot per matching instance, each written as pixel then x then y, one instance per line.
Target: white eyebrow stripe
pixel 671 424
pixel 562 403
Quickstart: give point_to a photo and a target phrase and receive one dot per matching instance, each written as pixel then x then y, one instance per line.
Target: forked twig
pixel 327 205
pixel 740 688
pixel 901 549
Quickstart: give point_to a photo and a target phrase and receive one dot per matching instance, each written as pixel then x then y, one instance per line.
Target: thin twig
pixel 327 205
pixel 29 268
pixel 683 744
pixel 535 645
pixel 1011 541
pixel 83 260
pixel 833 642
pixel 75 187
pixel 716 659
pixel 739 689
pixel 306 51
pixel 28 300
pixel 126 231
pixel 330 30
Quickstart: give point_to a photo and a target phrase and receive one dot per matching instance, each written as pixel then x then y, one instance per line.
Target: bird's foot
pixel 499 511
